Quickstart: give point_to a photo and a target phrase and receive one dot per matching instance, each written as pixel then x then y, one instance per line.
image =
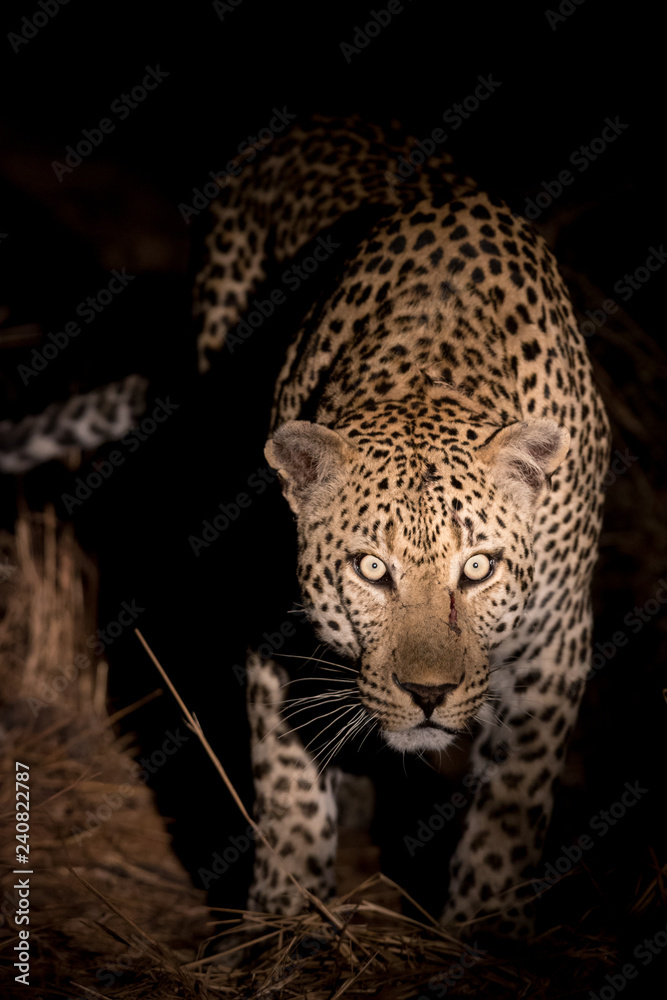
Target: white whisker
pixel 310 699
pixel 344 711
pixel 349 730
pixel 370 721
pixel 315 659
pixel 328 680
pixel 308 722
pixel 284 719
pixel 336 703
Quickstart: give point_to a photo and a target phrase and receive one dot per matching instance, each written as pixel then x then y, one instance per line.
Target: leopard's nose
pixel 426 696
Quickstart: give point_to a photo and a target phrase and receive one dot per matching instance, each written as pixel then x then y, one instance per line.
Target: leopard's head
pixel 415 553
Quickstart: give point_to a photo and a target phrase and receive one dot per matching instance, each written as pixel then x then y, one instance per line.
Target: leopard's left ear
pixel 524 454
pixel 310 459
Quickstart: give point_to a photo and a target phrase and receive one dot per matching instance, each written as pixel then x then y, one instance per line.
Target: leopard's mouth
pixel 429 724
pixel 425 735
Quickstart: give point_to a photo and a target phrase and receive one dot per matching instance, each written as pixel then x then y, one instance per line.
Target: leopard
pixel 439 438
pixel 440 441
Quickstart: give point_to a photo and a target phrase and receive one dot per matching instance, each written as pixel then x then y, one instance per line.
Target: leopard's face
pixel 414 562
pixel 410 583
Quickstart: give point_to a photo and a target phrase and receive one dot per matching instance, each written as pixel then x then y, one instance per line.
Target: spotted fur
pixel 438 405
pixel 297 806
pixel 83 421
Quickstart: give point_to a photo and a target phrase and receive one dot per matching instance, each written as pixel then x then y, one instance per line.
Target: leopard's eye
pixel 477 567
pixel 371 568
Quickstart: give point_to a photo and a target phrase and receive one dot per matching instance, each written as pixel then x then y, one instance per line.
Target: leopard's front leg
pixel 516 761
pixel 294 806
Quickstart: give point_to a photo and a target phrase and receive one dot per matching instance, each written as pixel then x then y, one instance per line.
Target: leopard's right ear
pixel 309 459
pixel 523 455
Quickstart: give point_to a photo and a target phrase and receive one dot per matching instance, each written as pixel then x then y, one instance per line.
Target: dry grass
pixel 102 861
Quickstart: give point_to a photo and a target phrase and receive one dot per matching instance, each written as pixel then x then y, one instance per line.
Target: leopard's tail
pixel 286 194
pixel 82 422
